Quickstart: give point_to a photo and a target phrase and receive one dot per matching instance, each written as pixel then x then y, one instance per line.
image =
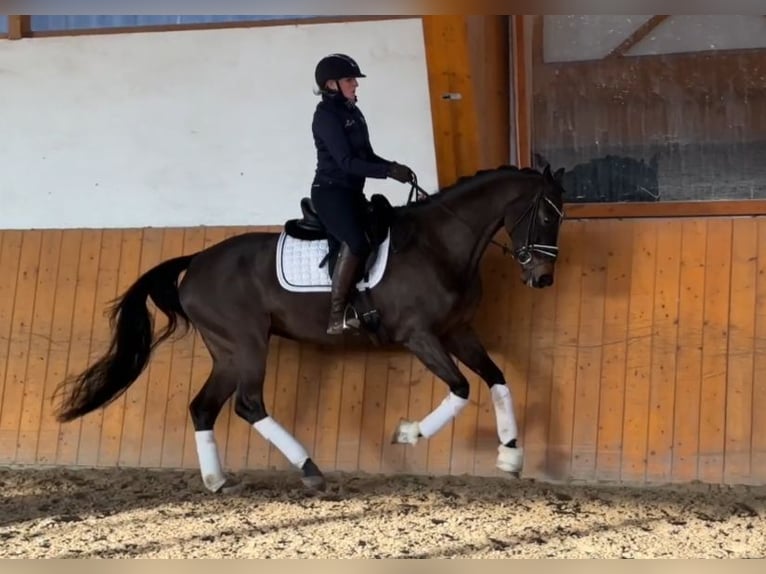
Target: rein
pixel 523 254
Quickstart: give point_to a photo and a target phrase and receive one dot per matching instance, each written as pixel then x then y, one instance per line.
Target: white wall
pixel 194 128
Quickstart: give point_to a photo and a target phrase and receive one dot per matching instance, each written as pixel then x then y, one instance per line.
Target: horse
pixel 424 300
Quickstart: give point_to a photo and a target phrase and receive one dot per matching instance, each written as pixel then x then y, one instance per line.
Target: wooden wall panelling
pixel 689 357
pixel 535 433
pixel 715 340
pixel 639 348
pixel 642 363
pixel 741 350
pixel 324 448
pixel 138 396
pixel 64 286
pixel 586 385
pixel 105 289
pixel 758 396
pixel 85 306
pixel 39 348
pixel 614 344
pixel 10 249
pixel 350 420
pixel 664 349
pixel 565 343
pixel 129 257
pixel 21 249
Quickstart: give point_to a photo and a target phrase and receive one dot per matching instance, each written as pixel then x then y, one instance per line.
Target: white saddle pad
pixel 298 265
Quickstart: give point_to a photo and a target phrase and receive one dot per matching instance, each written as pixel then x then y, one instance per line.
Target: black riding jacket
pixel 344 153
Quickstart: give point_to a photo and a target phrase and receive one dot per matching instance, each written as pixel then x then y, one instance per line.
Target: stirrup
pixel 346 324
pixel 353 323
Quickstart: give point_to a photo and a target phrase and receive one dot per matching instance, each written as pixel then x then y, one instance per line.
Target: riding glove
pixel 400 173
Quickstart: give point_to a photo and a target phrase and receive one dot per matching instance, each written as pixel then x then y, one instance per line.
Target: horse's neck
pixel 471 220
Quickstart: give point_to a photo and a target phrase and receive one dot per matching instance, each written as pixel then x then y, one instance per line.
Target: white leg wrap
pixel 449 408
pixel 509 459
pixel 506 421
pixel 209 463
pixel 407 433
pixel 273 432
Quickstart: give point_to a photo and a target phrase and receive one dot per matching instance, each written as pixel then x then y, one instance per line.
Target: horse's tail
pixel 132 341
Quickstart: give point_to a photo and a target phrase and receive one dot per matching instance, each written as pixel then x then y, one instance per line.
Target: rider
pixel 345 159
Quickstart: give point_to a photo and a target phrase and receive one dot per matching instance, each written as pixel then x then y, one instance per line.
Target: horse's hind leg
pixel 464 344
pixel 204 410
pixel 249 405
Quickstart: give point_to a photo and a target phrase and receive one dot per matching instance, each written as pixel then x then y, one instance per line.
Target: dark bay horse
pixel 425 300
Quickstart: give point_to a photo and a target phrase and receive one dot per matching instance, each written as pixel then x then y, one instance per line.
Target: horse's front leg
pixel 464 343
pixel 429 349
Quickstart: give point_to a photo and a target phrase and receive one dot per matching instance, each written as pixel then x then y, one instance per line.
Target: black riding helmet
pixel 335 67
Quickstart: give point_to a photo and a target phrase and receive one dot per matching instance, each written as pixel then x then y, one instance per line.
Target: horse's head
pixel 534 230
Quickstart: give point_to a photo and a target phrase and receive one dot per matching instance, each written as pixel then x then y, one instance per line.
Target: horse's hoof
pixel 231 486
pixel 406 433
pixel 314 482
pixel 222 484
pixel 509 459
pixel 214 483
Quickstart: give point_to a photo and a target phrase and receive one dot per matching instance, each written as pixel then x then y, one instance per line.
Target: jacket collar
pixel 338 99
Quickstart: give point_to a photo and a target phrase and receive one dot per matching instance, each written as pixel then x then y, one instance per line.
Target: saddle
pixel 309 227
pixel 378 224
pixel 379 217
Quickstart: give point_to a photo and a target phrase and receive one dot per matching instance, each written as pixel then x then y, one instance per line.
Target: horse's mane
pixel 482 175
pixel 467 183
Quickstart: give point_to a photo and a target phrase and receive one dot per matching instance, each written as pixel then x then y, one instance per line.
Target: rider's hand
pixel 401 173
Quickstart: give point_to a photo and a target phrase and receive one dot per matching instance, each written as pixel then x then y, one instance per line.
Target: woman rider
pixel 345 159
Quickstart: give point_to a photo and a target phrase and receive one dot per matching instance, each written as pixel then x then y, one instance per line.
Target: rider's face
pixel 347 87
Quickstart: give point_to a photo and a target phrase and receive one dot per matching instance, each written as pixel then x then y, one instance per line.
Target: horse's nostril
pixel 545 280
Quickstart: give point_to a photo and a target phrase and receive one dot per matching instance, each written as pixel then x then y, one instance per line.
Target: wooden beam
pixel 453 104
pixel 19 27
pixel 522 112
pixel 498 85
pixel 538 44
pixel 627 210
pixel 641 33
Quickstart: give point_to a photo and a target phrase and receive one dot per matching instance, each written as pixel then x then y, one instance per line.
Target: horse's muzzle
pixel 545 280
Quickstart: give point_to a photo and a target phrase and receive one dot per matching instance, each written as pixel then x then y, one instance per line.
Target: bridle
pixel 522 254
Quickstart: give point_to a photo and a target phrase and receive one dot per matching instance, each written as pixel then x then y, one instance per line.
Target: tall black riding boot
pixel 343 278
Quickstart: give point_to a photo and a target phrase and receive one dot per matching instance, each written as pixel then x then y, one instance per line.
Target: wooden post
pixel 453 104
pixel 19 27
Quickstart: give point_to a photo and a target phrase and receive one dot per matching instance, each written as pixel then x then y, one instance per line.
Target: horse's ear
pixel 539 161
pixel 547 173
pixel 559 174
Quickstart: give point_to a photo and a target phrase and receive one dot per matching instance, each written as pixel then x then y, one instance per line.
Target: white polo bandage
pixel 449 408
pixel 209 462
pixel 506 421
pixel 273 432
